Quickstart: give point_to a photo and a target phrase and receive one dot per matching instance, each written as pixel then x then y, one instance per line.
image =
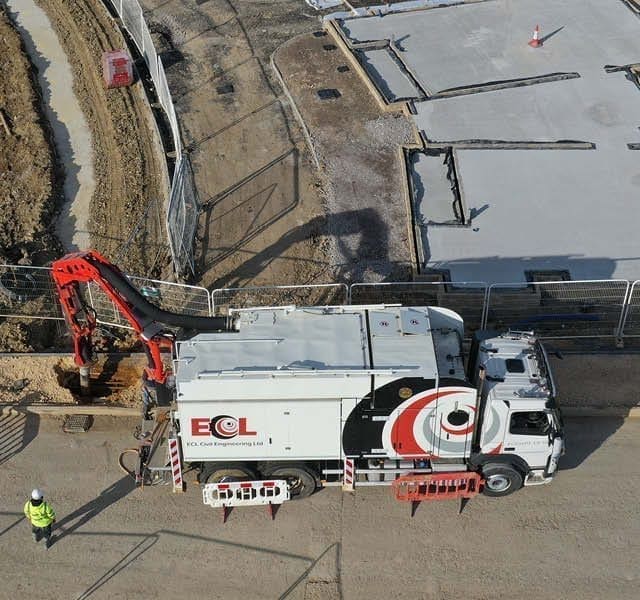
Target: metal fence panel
pixel 631 322
pixel 279 295
pixel 164 96
pixel 28 292
pixel 467 298
pixel 182 217
pixel 560 309
pixel 183 203
pixel 173 297
pixel 133 21
pixel 150 55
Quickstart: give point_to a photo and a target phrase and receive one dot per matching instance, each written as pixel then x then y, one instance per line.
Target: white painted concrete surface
pixel 487 41
pixel 531 209
pixel 71 132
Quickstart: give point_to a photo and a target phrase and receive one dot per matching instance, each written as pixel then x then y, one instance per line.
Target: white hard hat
pixel 37 494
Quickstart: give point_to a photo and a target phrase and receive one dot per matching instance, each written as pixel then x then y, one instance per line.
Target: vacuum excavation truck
pixel 332 395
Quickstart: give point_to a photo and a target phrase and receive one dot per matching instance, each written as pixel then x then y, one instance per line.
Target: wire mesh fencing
pixel 279 295
pixel 183 207
pixel 466 298
pixel 559 309
pixel 29 292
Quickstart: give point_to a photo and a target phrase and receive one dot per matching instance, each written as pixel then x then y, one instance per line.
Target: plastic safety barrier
pixel 227 495
pixel 437 486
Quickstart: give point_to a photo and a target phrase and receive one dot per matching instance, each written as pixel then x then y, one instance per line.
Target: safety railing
pixel 556 309
pixel 559 309
pixel 279 295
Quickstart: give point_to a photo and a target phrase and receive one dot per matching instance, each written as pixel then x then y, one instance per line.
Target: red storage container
pixel 117 68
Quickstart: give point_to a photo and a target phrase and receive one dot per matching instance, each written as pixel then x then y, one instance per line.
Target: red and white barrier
pixel 348 475
pixel 176 465
pixel 245 493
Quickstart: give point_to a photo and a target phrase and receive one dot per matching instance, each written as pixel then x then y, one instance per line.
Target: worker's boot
pixel 37 536
pixel 47 543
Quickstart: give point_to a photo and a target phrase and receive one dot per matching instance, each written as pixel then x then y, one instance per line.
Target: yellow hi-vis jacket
pixel 39 516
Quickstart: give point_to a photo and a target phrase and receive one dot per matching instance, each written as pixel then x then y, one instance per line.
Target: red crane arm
pixel 90 267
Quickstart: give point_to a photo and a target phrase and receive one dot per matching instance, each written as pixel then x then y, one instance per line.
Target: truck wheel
pixel 301 481
pixel 222 472
pixel 500 480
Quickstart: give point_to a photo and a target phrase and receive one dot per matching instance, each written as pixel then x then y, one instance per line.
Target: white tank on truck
pixel 291 393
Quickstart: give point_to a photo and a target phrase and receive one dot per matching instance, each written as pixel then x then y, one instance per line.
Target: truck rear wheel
pixel 500 480
pixel 300 479
pixel 222 472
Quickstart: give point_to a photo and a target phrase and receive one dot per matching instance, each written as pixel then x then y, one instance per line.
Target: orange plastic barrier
pixel 437 486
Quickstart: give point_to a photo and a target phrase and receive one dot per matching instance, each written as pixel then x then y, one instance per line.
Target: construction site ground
pixel 577 538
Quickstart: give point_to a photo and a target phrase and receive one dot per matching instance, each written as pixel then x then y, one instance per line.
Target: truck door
pixel 529 435
pixel 304 429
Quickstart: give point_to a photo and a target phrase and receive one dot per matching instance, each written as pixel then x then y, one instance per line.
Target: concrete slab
pixel 530 209
pixel 603 108
pixel 388 76
pixel 476 43
pixel 547 209
pixel 70 130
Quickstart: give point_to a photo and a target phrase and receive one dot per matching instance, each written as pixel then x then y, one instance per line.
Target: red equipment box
pixel 117 68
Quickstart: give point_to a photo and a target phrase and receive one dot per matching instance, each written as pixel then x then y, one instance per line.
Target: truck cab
pixel 521 428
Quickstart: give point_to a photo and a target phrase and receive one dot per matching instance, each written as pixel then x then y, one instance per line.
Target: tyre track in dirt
pixel 130 172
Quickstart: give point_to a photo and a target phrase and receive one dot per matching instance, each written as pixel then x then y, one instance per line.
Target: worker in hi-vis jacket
pixel 41 516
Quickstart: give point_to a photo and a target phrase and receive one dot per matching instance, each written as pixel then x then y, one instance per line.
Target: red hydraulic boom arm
pixel 150 322
pixel 88 267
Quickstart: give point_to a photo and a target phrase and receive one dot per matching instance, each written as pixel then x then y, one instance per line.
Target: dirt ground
pixel 263 217
pixel 30 185
pixel 358 148
pixel 130 171
pixel 115 379
pixel 576 538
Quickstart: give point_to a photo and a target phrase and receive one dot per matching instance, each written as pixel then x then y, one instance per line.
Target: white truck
pixel 338 395
pixel 292 392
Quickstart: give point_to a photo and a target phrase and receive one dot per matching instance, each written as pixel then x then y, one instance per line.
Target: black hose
pixel 133 296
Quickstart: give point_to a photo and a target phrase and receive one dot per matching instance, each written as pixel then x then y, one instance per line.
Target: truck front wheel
pixel 500 480
pixel 300 480
pixel 222 472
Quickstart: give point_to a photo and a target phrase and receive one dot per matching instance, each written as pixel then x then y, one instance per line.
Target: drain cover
pixel 329 47
pixel 328 93
pixel 319 33
pixel 225 89
pixel 77 423
pixel 343 69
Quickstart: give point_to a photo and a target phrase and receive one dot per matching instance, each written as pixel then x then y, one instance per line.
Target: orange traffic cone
pixel 535 41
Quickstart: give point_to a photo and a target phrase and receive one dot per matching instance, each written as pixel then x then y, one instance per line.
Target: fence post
pixel 143 26
pixel 485 307
pixel 624 314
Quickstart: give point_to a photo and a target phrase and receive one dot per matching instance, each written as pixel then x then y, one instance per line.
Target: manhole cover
pixel 328 93
pixel 77 423
pixel 227 88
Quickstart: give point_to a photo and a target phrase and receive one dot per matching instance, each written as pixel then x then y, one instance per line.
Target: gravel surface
pixel 359 150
